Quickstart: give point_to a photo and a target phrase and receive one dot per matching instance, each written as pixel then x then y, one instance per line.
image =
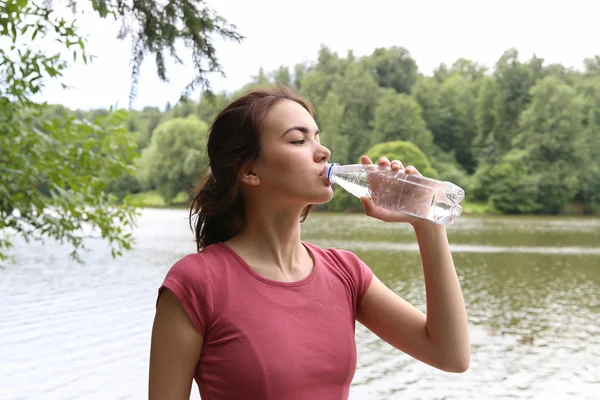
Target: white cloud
pixel 285 33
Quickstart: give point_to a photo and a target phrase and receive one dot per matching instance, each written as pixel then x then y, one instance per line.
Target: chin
pixel 325 197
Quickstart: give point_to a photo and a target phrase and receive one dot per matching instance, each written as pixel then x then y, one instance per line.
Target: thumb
pixel 367 204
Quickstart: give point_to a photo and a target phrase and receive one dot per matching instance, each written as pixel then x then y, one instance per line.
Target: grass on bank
pixel 153 199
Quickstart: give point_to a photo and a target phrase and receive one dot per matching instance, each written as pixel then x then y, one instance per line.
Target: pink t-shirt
pixel 265 339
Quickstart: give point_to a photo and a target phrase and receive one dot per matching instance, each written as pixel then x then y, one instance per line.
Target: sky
pixel 279 32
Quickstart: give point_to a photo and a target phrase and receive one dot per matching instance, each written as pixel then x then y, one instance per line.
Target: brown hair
pixel 233 143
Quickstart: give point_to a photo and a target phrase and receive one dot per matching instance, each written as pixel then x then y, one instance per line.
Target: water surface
pixel 531 285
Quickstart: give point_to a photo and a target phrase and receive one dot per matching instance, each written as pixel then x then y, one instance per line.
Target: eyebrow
pixel 300 128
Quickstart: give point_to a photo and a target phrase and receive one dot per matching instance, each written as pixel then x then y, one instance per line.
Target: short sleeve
pixel 188 281
pixel 357 270
pixel 363 274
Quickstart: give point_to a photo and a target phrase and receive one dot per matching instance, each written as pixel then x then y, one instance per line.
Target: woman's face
pixel 292 161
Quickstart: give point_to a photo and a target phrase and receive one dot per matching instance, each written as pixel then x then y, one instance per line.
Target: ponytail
pixel 217 213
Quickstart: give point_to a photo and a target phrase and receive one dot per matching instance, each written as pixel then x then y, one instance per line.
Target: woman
pixel 258 313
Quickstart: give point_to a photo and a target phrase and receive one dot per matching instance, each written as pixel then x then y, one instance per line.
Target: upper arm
pixel 174 352
pixel 396 321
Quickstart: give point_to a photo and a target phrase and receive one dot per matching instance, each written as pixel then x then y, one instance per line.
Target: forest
pixel 521 138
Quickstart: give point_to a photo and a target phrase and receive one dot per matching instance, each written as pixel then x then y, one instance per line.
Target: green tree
pixel 144 122
pixel 175 157
pixel 331 118
pixel 299 72
pixel 468 69
pixel 427 92
pixel 458 127
pixel 56 169
pixel 485 117
pixel 328 62
pixel 509 185
pixel 158 27
pixel 282 76
pixel 513 81
pixel 588 146
pixel 358 92
pixel 538 175
pixel 315 86
pixel 551 124
pixel 394 68
pixel 399 117
pixel 592 65
pixel 209 106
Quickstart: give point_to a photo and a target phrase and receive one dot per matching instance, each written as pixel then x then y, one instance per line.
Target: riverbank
pixel 153 199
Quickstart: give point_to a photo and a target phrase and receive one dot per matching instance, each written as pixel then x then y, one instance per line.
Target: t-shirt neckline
pixel 256 275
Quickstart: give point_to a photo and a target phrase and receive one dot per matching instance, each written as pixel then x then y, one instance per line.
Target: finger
pixel 366 160
pixel 367 205
pixel 397 165
pixel 383 162
pixel 412 170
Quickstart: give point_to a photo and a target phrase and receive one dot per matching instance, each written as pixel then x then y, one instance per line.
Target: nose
pixel 322 153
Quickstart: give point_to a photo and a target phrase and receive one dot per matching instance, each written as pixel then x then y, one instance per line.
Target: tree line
pixel 522 137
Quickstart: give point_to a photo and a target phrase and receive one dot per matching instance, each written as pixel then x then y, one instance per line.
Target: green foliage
pixel 513 81
pixel 359 93
pixel 176 156
pixel 64 173
pixel 399 117
pixel 550 125
pixel 159 26
pixel 512 189
pixel 331 119
pixel 55 167
pixel 209 107
pixel 394 68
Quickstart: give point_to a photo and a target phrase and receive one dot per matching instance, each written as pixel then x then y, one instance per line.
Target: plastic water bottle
pixel 422 197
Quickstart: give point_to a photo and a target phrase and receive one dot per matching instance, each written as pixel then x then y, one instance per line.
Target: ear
pixel 249 176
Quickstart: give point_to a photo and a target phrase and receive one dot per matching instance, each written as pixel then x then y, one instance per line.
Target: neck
pixel 272 237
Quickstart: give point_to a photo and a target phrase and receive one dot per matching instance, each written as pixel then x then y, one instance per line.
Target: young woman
pixel 257 313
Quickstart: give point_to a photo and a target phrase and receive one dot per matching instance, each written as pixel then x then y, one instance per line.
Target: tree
pixel 513 81
pixel 394 68
pixel 358 92
pixel 538 174
pixel 399 117
pixel 592 65
pixel 458 126
pixel 588 146
pixel 427 93
pixel 331 118
pixel 550 125
pixel 282 76
pixel 56 168
pixel 175 157
pixel 484 109
pixel 209 107
pixel 144 122
pixel 155 28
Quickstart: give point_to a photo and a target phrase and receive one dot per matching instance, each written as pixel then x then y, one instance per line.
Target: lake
pixel 531 286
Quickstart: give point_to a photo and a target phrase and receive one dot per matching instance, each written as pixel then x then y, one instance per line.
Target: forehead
pixel 287 113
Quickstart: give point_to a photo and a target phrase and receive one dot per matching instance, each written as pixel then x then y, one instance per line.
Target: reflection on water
pixel 531 287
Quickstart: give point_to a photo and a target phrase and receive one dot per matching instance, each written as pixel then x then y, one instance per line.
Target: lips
pixel 326 181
